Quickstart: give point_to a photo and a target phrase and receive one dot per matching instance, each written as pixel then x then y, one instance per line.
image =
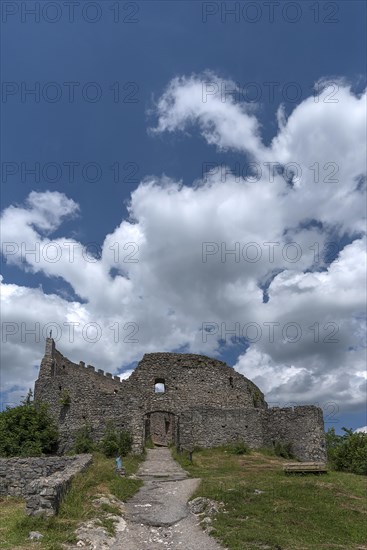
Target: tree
pixel 347 452
pixel 27 430
pixel 83 440
pixel 116 442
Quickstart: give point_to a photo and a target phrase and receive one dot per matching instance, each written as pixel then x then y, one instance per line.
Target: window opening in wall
pixel 159 385
pixel 60 388
pixel 115 391
pixel 231 381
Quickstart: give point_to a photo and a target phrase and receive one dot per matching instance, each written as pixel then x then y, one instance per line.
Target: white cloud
pixel 163 299
pixel 206 100
pixel 324 137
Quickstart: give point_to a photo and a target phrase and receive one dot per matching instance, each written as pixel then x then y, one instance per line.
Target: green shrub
pixel 283 449
pixel 239 448
pixel 109 444
pixel 83 440
pixel 65 398
pixel 347 452
pixel 116 442
pixel 27 430
pixel 125 442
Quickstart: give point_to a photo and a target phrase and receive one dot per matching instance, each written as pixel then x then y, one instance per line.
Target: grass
pixel 110 509
pixel 108 524
pixel 77 506
pixel 309 512
pixel 149 443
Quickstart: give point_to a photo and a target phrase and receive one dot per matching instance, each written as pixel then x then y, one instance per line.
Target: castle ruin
pixel 182 399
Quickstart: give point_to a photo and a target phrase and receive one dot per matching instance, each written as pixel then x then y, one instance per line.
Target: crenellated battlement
pixel 56 364
pixel 99 372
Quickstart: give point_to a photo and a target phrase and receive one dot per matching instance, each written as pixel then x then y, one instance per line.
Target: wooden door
pixel 162 428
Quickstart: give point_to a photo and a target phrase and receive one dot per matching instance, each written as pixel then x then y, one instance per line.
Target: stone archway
pixel 161 427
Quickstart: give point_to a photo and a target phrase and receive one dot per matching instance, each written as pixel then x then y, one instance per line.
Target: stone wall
pixel 191 380
pixel 42 481
pixel 44 495
pixel 79 395
pixel 205 403
pixel 211 427
pixel 301 426
pixel 96 398
pixel 16 474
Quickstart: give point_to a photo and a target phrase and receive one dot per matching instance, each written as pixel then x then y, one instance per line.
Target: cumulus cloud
pixel 322 141
pixel 206 100
pixel 198 268
pixel 361 430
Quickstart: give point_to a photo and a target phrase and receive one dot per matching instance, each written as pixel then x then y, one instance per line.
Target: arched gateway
pixel 161 428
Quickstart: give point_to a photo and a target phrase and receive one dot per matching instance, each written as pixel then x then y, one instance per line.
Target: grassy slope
pixel 76 507
pixel 294 513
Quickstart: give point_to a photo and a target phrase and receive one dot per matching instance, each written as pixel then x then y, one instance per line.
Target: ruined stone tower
pixel 183 399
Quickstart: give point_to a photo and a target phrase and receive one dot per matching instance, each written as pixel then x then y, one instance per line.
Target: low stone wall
pixel 16 474
pixel 212 427
pixel 302 427
pixel 45 494
pixel 42 481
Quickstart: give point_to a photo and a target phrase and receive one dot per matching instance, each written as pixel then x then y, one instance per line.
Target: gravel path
pixel 157 516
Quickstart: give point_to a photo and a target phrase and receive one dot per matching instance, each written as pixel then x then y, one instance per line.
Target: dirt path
pixel 157 516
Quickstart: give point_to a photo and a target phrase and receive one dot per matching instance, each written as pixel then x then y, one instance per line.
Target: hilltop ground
pixel 263 509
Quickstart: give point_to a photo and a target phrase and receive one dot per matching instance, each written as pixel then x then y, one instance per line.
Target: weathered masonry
pixel 42 481
pixel 183 399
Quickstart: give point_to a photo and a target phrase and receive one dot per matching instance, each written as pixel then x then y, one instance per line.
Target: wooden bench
pixel 305 468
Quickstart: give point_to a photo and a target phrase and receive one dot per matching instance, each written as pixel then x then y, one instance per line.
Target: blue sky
pixel 141 127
